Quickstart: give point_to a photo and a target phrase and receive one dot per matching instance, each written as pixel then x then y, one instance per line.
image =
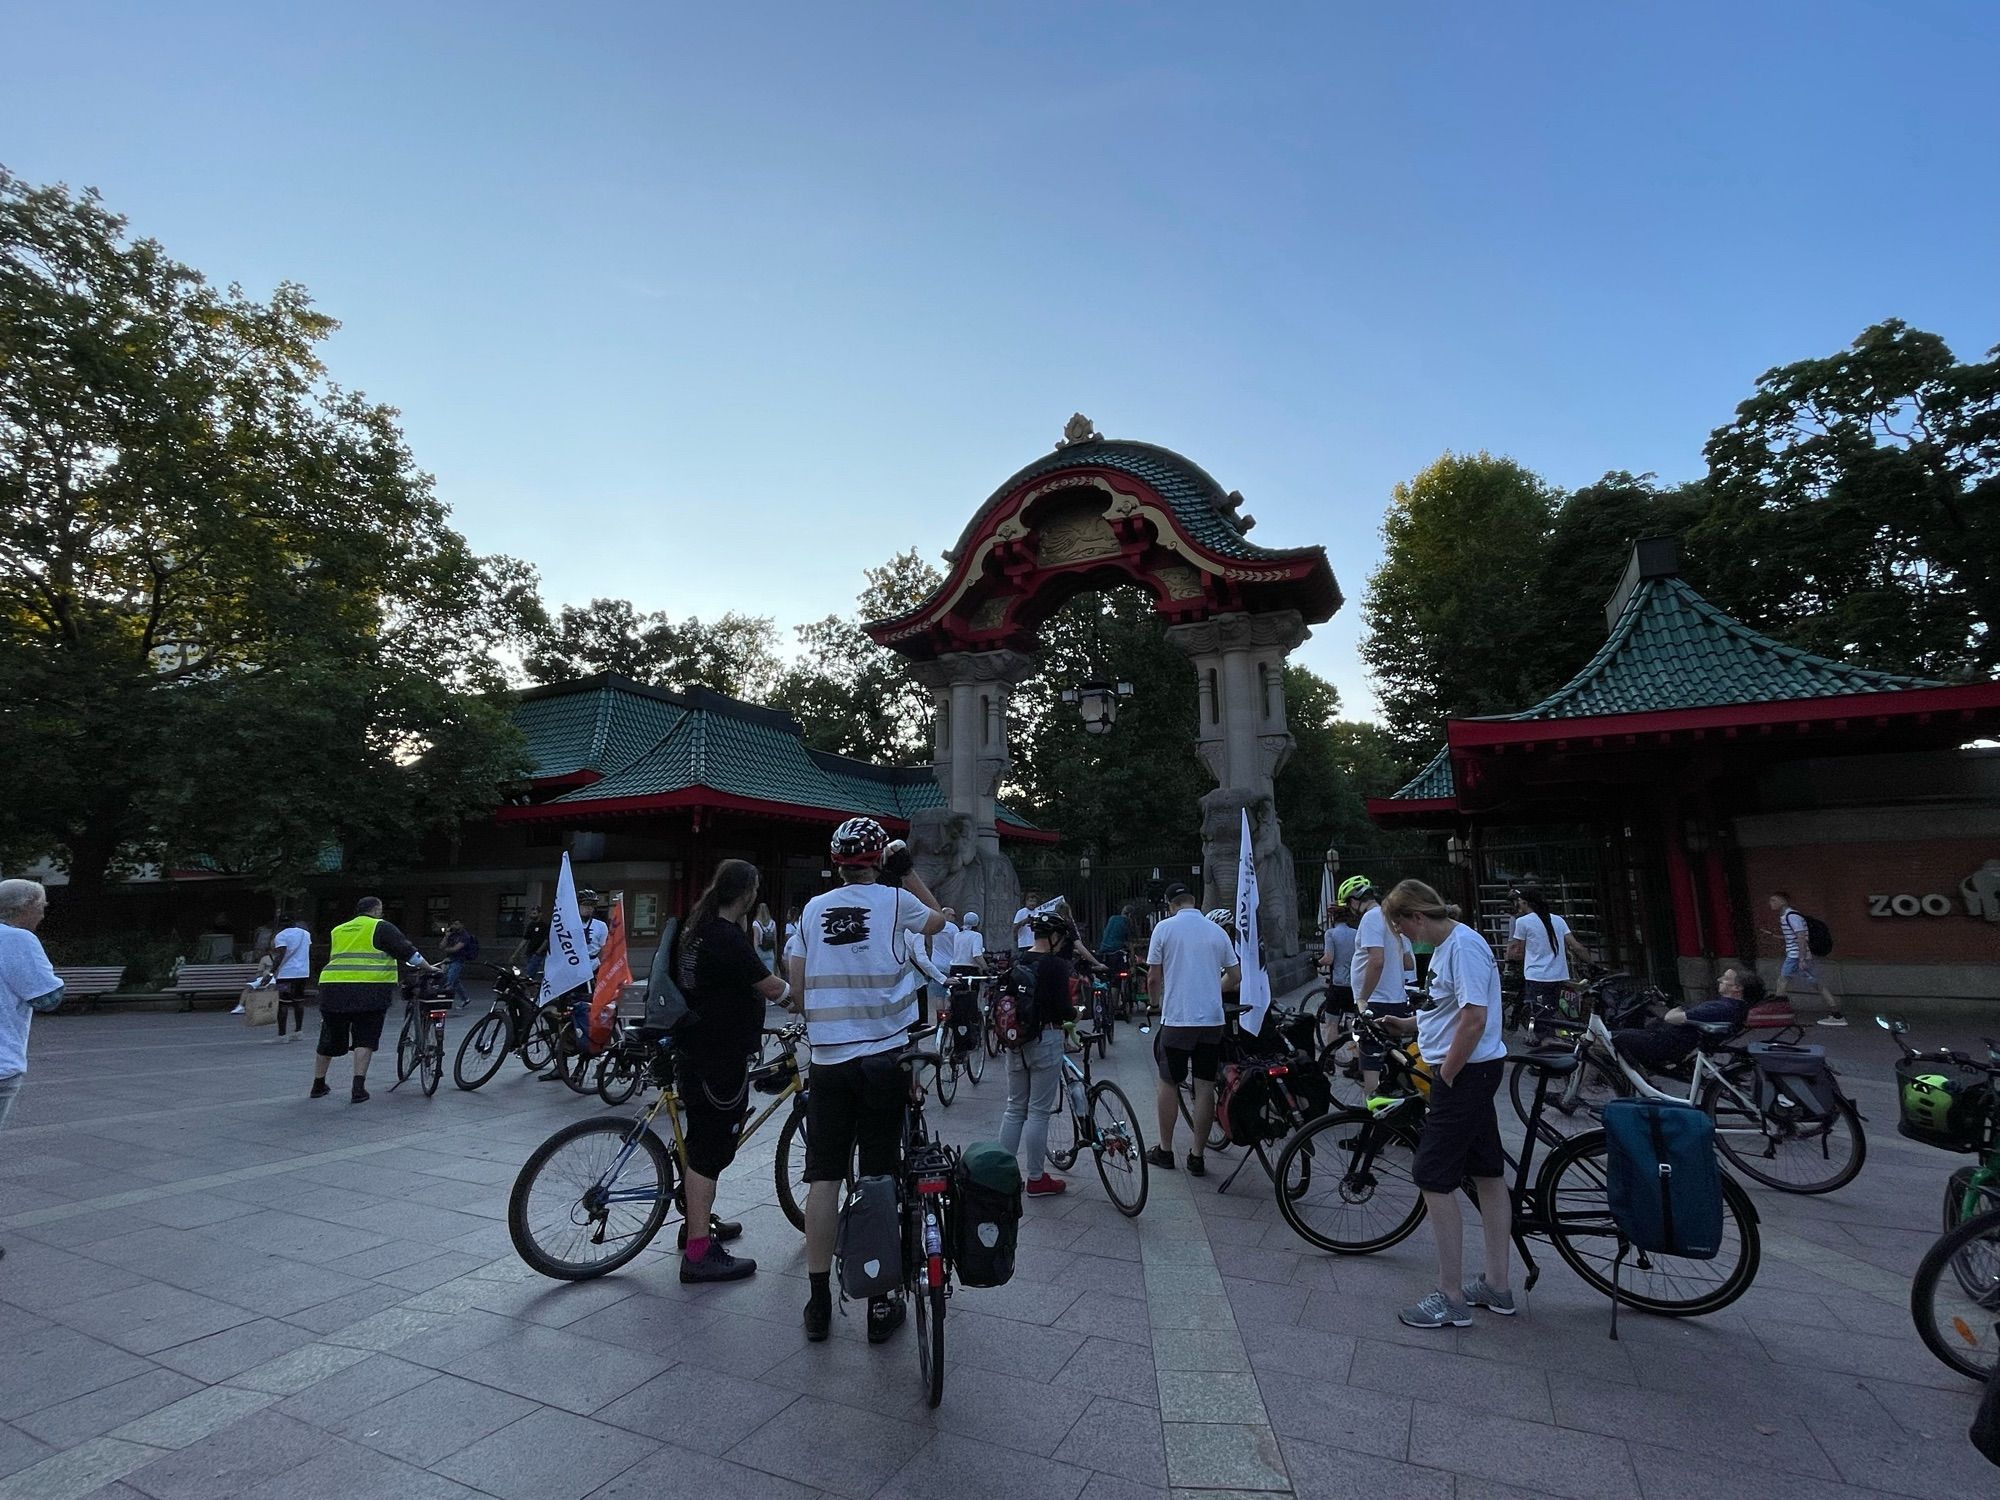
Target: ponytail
pixel 1530 896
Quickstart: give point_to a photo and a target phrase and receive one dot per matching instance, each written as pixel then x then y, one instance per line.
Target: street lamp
pixel 1097 703
pixel 1458 851
pixel 1332 863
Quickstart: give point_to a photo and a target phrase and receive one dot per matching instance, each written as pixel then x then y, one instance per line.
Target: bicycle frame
pixel 1598 1036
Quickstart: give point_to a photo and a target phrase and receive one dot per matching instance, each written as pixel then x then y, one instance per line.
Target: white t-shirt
pixel 944 945
pixel 297 945
pixel 1539 962
pixel 594 934
pixel 1793 927
pixel 1373 932
pixel 25 974
pixel 1192 953
pixel 1024 933
pixel 861 983
pixel 1462 973
pixel 971 947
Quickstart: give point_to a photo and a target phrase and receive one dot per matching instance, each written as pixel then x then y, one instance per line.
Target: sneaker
pixel 1162 1158
pixel 717 1265
pixel 1479 1294
pixel 319 1089
pixel 819 1321
pixel 885 1316
pixel 1833 1020
pixel 718 1229
pixel 1197 1166
pixel 237 1012
pixel 359 1093
pixel 1045 1185
pixel 1435 1311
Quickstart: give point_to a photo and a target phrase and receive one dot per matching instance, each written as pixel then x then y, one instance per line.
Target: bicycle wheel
pixel 1217 1139
pixel 1955 1190
pixel 1062 1147
pixel 975 1063
pixel 569 1216
pixel 430 1059
pixel 538 1047
pixel 946 1072
pixel 1782 1148
pixel 617 1080
pixel 1344 1182
pixel 789 1168
pixel 1571 1198
pixel 992 1038
pixel 407 1047
pixel 1955 1313
pixel 1574 1103
pixel 481 1052
pixel 579 1070
pixel 1120 1148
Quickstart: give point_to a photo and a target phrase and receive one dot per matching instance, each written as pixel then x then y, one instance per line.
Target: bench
pixel 86 984
pixel 212 979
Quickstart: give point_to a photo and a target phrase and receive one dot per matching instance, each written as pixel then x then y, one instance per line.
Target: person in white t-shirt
pixel 1543 946
pixel 1189 965
pixel 595 933
pixel 850 961
pixel 291 953
pixel 971 944
pixel 1380 971
pixel 1458 1033
pixel 1024 929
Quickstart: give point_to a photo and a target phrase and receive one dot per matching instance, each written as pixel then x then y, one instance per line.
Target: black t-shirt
pixel 719 973
pixel 535 936
pixel 1054 1004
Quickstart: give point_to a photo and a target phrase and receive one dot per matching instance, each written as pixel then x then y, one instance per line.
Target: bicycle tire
pixel 1570 1197
pixel 1971 1305
pixel 1760 1166
pixel 1955 1189
pixel 788 1168
pixel 930 1306
pixel 945 1074
pixel 486 1041
pixel 577 1067
pixel 617 1084
pixel 992 1038
pixel 1351 1154
pixel 975 1064
pixel 1596 1085
pixel 529 1242
pixel 430 1061
pixel 538 1046
pixel 1120 1149
pixel 406 1048
pixel 1062 1147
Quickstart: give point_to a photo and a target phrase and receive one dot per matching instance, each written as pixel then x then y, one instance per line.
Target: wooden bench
pixel 86 984
pixel 211 979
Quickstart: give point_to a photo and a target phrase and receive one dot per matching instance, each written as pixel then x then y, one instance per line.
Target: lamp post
pixel 1097 703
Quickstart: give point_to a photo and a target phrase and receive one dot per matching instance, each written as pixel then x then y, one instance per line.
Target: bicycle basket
pixel 1943 1103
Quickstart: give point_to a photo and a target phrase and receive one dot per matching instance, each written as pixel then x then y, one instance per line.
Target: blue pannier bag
pixel 1663 1182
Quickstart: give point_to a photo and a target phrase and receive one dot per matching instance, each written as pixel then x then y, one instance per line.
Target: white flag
pixel 1255 991
pixel 569 962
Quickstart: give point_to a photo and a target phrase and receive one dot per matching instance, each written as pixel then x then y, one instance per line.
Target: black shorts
pixel 292 991
pixel 1461 1134
pixel 715 1101
pixel 855 1103
pixel 1180 1050
pixel 1656 1046
pixel 339 1034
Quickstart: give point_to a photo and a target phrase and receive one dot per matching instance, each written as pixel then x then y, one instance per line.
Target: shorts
pixel 1373 1053
pixel 1799 968
pixel 339 1034
pixel 1179 1050
pixel 1654 1047
pixel 715 1101
pixel 1461 1134
pixel 858 1103
pixel 292 991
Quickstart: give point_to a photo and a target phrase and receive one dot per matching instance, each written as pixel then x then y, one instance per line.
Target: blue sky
pixel 713 306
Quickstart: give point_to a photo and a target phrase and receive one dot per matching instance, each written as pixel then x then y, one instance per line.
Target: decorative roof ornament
pixel 1079 429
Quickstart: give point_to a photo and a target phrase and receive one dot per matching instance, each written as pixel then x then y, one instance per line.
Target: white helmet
pixel 970 921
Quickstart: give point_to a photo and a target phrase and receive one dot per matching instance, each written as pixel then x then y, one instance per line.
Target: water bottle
pixel 1079 1100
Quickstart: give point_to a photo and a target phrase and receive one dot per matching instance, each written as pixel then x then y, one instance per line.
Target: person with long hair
pixel 1542 945
pixel 764 936
pixel 1458 1033
pixel 726 984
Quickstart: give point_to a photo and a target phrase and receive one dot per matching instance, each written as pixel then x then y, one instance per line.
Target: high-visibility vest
pixel 353 957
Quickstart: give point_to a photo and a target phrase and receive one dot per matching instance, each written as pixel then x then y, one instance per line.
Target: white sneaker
pixel 237 1012
pixel 1833 1020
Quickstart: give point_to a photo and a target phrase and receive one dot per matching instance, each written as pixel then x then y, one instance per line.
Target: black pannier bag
pixel 1796 1081
pixel 986 1215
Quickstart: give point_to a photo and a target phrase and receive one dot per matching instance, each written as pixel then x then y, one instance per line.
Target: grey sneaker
pixel 1833 1020
pixel 1437 1312
pixel 1479 1294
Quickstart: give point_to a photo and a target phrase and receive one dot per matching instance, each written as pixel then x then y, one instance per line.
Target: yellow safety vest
pixel 354 958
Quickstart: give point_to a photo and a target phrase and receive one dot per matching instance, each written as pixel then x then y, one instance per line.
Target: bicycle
pixel 1779 1143
pixel 959 1050
pixel 1958 1315
pixel 503 1029
pixel 924 1188
pixel 607 1184
pixel 420 1045
pixel 1099 1117
pixel 1344 1184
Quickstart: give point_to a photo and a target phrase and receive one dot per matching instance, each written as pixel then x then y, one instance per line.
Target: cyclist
pixel 1381 969
pixel 594 935
pixel 1188 967
pixel 726 984
pixel 851 976
pixel 355 988
pixel 1337 964
pixel 1543 945
pixel 1034 1069
pixel 971 953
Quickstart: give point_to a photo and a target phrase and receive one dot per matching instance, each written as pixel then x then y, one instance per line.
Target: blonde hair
pixel 1412 898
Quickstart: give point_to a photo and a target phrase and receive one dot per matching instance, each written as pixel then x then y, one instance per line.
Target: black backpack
pixel 1819 937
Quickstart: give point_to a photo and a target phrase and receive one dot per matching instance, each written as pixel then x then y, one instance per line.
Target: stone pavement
pixel 213 1287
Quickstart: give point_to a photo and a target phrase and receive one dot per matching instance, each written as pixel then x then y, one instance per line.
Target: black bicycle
pixel 503 1029
pixel 420 1045
pixel 924 1182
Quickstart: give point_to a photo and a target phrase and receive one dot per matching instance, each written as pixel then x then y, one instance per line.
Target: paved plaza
pixel 213 1287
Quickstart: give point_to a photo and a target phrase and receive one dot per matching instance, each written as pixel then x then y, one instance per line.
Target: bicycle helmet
pixel 1049 923
pixel 1222 917
pixel 586 897
pixel 1355 885
pixel 859 841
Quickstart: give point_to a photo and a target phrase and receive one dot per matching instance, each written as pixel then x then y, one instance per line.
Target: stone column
pixel 958 851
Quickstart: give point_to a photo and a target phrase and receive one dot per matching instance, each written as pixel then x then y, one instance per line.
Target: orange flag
pixel 613 974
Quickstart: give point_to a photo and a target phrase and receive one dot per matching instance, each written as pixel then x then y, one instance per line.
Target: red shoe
pixel 1044 1185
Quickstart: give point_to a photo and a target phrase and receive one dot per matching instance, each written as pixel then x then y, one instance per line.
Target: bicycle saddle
pixel 1555 1064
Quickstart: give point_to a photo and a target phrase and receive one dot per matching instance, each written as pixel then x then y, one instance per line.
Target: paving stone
pixel 1713 1422
pixel 52 1364
pixel 372 1379
pixel 1531 1454
pixel 558 1368
pixel 1260 1304
pixel 647 1323
pixel 1453 1380
pixel 1107 1367
pixel 1117 1437
pixel 701 1409
pixel 221 1355
pixel 1320 1472
pixel 1110 1487
pixel 1682 1474
pixel 194 1417
pixel 299 1369
pixel 969 1470
pixel 85 1470
pixel 748 1347
pixel 671 1471
pixel 832 1447
pixel 430 1421
pixel 1342 1416
pixel 1197 1311
pixel 77 1420
pixel 18 1450
pixel 548 1455
pixel 1310 1352
pixel 348 1471
pixel 1210 1396
pixel 345 1311
pixel 231 1459
pixel 1215 1456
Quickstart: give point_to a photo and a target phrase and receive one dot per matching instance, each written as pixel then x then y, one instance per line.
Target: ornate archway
pixel 1094 513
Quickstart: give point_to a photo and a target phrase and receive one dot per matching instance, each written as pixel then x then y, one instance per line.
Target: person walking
pixel 1034 1069
pixel 727 984
pixel 764 937
pixel 28 983
pixel 1543 946
pixel 1458 1033
pixel 355 987
pixel 851 976
pixel 1800 966
pixel 1381 969
pixel 291 953
pixel 460 949
pixel 1024 928
pixel 1189 965
pixel 971 944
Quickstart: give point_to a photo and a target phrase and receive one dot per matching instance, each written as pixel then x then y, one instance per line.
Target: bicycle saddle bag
pixel 986 1215
pixel 869 1242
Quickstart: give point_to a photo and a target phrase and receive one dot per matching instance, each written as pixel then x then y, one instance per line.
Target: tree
pixel 1857 505
pixel 231 608
pixel 735 654
pixel 1336 765
pixel 1589 543
pixel 852 696
pixel 1463 544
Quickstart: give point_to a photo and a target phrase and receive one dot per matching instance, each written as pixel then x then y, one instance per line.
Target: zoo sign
pixel 1980 891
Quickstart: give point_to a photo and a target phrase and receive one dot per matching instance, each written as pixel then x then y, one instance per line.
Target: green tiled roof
pixel 1433 781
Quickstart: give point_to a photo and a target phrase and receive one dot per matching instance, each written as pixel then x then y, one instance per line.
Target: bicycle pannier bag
pixel 869 1242
pixel 1942 1103
pixel 964 1013
pixel 666 1006
pixel 986 1215
pixel 1796 1081
pixel 1664 1186
pixel 1014 1020
pixel 1242 1103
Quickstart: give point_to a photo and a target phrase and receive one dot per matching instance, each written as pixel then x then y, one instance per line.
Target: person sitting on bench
pixel 1673 1038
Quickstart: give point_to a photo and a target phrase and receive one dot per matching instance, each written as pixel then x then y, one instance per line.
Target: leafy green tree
pixel 1857 505
pixel 734 654
pixel 1588 546
pixel 852 696
pixel 1336 765
pixel 232 613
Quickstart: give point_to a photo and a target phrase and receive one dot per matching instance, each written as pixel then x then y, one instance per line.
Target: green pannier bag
pixel 986 1214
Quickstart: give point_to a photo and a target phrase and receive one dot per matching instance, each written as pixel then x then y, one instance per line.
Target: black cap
pixel 1175 891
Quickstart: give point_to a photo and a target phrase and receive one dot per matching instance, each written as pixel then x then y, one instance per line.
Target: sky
pixel 714 306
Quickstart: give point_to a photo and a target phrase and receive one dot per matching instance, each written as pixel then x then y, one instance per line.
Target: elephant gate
pixel 1096 513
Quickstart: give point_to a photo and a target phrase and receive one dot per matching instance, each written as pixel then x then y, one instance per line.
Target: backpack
pixel 1015 1023
pixel 1662 1182
pixel 985 1214
pixel 666 1007
pixel 869 1241
pixel 1819 937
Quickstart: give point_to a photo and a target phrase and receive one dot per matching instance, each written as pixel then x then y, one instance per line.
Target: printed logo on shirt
pixel 842 925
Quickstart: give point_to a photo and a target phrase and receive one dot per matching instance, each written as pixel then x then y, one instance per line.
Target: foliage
pixel 230 604
pixel 1857 505
pixel 1336 764
pixel 1589 543
pixel 852 696
pixel 736 654
pixel 147 954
